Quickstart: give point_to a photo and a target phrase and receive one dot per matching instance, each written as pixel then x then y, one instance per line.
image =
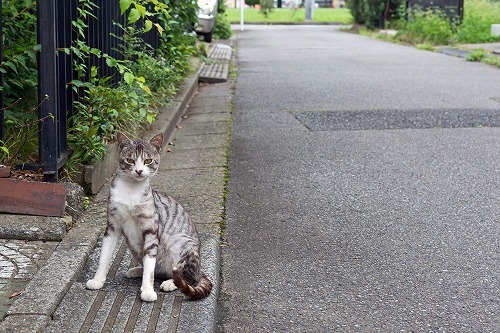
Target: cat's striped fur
pixel 158 231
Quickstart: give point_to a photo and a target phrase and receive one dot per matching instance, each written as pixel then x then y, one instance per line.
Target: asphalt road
pixel 344 212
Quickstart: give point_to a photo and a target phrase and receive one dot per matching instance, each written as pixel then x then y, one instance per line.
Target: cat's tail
pixel 198 292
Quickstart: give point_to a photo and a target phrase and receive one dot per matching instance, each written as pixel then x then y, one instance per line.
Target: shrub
pixel 266 7
pixel 374 13
pixel 252 3
pixel 476 55
pixel 222 29
pixel 20 80
pixel 479 15
pixel 148 77
pixel 426 27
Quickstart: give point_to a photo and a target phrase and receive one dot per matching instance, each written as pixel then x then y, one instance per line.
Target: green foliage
pixel 222 28
pixel 432 27
pixel 476 55
pixel 493 61
pixel 374 13
pixel 20 79
pixel 429 27
pixel 479 15
pixel 148 78
pixel 425 47
pixel 286 15
pixel 483 56
pixel 19 46
pixel 252 3
pixel 266 7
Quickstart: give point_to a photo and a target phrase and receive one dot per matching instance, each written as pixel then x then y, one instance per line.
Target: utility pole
pixel 309 10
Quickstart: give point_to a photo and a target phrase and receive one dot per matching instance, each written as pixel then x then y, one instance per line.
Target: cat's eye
pixel 148 161
pixel 130 161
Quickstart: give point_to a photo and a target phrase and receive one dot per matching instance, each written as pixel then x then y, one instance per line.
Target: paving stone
pixel 208 127
pixel 214 73
pixel 205 117
pixel 195 158
pixel 201 141
pixel 220 52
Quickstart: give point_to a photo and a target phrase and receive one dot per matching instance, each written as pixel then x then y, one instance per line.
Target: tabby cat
pixel 158 231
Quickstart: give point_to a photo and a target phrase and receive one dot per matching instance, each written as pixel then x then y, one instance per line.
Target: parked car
pixel 206 19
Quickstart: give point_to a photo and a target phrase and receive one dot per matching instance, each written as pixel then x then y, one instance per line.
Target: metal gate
pixel 55 71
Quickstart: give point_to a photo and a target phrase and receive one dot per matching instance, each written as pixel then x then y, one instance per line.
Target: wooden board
pixel 32 198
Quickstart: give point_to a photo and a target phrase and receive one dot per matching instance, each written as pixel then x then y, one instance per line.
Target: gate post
pixel 47 91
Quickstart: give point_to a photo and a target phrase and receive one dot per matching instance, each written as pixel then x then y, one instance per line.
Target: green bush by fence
pixel 148 77
pixel 375 13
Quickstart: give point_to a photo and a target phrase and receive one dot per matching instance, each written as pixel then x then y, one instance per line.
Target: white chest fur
pixel 129 194
pixel 127 197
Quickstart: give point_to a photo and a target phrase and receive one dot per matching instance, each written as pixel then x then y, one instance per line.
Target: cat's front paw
pixel 168 285
pixel 148 295
pixel 94 284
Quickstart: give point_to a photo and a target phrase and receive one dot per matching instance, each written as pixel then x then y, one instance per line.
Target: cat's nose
pixel 138 171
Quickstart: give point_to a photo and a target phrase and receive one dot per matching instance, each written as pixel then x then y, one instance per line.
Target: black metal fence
pixel 453 9
pixel 55 70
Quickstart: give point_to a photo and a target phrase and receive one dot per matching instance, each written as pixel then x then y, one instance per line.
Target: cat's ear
pixel 157 141
pixel 122 140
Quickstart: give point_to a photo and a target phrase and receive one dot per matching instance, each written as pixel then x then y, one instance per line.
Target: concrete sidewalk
pixel 193 171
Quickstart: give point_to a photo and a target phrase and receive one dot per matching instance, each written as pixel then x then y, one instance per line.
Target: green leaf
pixel 141 9
pixel 147 25
pixel 159 28
pixel 134 15
pixel 129 78
pixel 121 68
pixel 111 62
pixel 11 65
pixel 77 83
pixel 124 5
pixel 145 88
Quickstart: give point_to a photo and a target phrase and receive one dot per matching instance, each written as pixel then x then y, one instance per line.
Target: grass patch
pixel 492 60
pixel 285 15
pixel 476 55
pixel 426 47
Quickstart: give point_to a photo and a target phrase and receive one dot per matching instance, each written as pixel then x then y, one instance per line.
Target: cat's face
pixel 139 159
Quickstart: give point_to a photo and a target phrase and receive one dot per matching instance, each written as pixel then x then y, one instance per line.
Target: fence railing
pixel 55 71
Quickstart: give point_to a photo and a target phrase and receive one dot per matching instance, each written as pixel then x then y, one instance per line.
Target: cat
pixel 158 231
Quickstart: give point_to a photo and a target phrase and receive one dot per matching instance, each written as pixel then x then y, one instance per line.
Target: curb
pixel 32 311
pixel 200 317
pixel 454 52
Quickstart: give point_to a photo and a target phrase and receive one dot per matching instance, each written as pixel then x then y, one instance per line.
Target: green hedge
pixel 373 13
